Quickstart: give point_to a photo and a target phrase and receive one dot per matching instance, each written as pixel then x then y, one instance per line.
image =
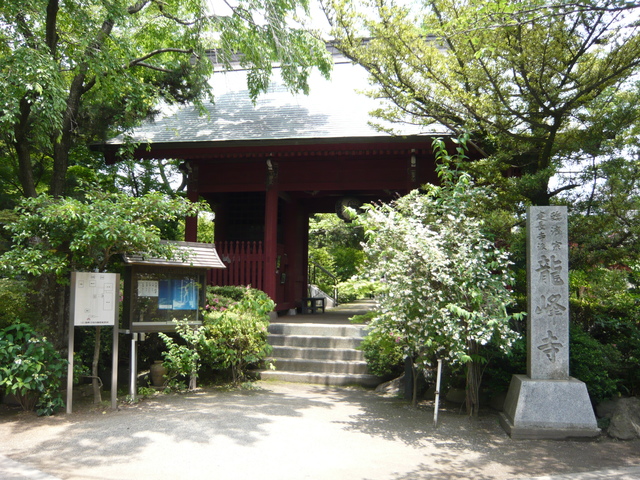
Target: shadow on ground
pixel 316 429
pixel 477 448
pixel 98 435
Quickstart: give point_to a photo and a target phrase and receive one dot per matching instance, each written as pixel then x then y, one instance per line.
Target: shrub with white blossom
pixel 445 285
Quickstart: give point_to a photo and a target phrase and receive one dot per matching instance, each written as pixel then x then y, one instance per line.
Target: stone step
pixel 319 366
pixel 323 354
pixel 309 341
pixel 345 354
pixel 317 330
pixel 364 380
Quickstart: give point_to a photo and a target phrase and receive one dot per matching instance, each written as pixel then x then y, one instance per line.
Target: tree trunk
pixel 474 374
pixel 52 300
pixel 62 145
pixel 21 145
pixel 414 396
pixel 95 381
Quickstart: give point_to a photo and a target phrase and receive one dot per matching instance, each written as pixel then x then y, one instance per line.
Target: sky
pixel 317 16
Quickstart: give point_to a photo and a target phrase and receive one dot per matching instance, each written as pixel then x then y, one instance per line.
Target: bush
pixel 383 354
pixel 241 299
pixel 14 304
pixel 357 288
pixel 233 335
pixel 623 334
pixel 323 258
pixel 31 369
pixel 503 365
pixel 613 324
pixel 590 361
pixel 232 292
pixel 235 340
pixel 255 302
pixel 182 360
pixel 593 363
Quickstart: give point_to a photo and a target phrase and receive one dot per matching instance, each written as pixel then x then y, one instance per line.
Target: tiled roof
pixel 189 254
pixel 334 109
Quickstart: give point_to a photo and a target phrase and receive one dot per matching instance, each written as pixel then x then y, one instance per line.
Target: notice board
pixel 94 298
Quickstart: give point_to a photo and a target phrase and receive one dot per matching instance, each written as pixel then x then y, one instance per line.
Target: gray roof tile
pixel 196 255
pixel 334 109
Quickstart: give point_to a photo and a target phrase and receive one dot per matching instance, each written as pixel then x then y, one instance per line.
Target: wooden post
pixel 191 223
pixel 270 241
pixel 271 229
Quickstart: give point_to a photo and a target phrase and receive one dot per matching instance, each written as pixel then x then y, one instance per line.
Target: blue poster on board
pixel 178 294
pixel 185 295
pixel 165 297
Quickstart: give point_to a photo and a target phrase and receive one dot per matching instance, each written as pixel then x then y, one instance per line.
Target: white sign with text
pixel 95 302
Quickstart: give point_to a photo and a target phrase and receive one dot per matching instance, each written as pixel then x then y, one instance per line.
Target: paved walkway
pixel 281 431
pixel 336 315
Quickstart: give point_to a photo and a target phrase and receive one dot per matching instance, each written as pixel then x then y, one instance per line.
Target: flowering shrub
pixel 236 337
pixel 218 303
pixel 233 334
pixel 383 353
pixel 31 369
pixel 445 286
pixel 220 299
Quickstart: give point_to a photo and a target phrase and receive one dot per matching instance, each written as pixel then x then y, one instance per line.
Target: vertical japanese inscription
pixel 547 274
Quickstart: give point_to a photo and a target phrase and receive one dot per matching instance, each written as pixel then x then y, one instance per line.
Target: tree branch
pixel 51 26
pixel 536 14
pixel 158 52
pixel 23 28
pixel 176 19
pixel 564 188
pixel 133 9
pixel 150 67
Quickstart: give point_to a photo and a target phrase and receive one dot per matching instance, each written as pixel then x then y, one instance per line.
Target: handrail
pixel 324 270
pixel 312 278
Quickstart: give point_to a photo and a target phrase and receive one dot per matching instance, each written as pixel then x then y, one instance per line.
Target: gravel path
pixel 285 431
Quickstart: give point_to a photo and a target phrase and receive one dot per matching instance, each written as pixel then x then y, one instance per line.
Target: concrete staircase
pixel 314 291
pixel 322 354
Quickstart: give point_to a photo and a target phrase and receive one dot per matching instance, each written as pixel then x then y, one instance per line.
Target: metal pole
pixel 72 306
pixel 438 377
pixel 116 335
pixel 114 368
pixel 70 365
pixel 134 366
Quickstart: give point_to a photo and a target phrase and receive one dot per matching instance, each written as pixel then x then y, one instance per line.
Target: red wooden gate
pixel 244 261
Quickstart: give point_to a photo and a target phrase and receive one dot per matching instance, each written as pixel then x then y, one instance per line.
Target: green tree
pixel 56 236
pixel 444 284
pixel 335 245
pixel 523 77
pixel 75 72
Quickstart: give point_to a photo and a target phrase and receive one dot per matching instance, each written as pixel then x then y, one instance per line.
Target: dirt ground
pixel 290 431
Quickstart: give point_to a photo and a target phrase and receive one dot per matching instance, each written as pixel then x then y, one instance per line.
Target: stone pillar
pixel 547 402
pixel 548 293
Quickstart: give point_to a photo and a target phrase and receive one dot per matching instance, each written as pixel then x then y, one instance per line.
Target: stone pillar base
pixel 551 409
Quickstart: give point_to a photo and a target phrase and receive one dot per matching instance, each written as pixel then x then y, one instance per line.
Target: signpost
pixel 547 402
pixel 94 302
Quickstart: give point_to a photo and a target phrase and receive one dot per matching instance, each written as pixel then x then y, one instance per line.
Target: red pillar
pixel 270 240
pixel 291 225
pixel 191 223
pixel 303 259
